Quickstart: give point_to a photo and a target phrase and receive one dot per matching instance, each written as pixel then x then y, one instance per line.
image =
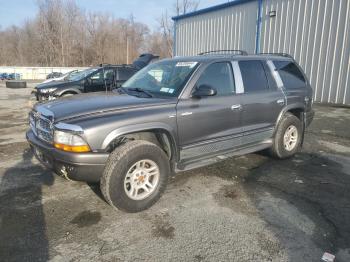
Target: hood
pixel 53 84
pixel 96 103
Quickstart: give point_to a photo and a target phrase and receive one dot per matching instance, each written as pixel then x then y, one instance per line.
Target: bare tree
pixel 62 34
pixel 166 25
pixel 184 6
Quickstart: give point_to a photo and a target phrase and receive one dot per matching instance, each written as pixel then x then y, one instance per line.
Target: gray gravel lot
pixel 250 208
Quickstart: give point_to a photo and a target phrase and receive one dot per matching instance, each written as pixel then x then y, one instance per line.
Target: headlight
pixel 47 90
pixel 70 142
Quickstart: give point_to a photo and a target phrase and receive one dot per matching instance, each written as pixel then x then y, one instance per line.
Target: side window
pixel 96 78
pixel 290 74
pixel 99 77
pixel 219 76
pixel 253 76
pixel 125 73
pixel 109 75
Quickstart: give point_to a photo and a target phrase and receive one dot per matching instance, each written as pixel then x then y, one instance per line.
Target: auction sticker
pixel 187 64
pixel 164 89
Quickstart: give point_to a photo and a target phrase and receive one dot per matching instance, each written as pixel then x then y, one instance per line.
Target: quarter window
pixel 218 76
pixel 290 74
pixel 253 76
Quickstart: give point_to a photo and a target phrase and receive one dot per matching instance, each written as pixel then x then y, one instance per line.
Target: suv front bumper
pixel 76 166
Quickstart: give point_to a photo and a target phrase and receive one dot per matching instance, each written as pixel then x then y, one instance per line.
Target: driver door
pixel 96 82
pixel 209 125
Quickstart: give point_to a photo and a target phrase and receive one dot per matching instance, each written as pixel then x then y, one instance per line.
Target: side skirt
pixel 220 156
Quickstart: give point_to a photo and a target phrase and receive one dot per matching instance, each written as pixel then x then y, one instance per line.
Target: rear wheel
pixel 135 176
pixel 288 136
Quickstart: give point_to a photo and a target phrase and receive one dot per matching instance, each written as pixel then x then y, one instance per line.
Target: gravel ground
pixel 250 208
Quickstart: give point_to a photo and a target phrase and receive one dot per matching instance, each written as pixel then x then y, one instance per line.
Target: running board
pixel 189 165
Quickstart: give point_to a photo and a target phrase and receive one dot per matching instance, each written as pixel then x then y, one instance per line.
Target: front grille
pixel 41 126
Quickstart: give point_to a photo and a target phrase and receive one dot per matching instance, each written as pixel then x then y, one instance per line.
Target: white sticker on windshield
pixel 164 89
pixel 171 90
pixel 187 64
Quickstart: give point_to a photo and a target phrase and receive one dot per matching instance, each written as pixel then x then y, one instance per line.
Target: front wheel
pixel 135 176
pixel 288 137
pixel 67 95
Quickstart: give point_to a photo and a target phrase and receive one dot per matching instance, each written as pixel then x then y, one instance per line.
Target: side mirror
pixel 204 90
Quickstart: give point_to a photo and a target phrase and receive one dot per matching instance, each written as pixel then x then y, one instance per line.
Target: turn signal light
pixel 75 149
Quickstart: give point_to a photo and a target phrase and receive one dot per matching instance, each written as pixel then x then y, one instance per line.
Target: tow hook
pixel 64 173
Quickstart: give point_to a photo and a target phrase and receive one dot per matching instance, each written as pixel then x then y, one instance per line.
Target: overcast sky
pixel 146 11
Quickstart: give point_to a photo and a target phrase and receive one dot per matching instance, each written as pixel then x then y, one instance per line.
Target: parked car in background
pixel 14 76
pixel 4 76
pixel 63 77
pixel 144 60
pixel 95 79
pixel 54 75
pixel 171 116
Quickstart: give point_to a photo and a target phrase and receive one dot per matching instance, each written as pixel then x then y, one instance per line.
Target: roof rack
pixel 102 65
pixel 278 54
pixel 241 52
pixel 115 65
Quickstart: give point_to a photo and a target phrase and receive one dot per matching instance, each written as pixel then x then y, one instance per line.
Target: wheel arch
pixel 67 91
pixel 164 135
pixel 296 109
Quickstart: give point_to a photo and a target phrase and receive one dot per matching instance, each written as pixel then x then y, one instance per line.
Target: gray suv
pixel 173 115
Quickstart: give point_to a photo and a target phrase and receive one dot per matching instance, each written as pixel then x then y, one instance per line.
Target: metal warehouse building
pixel 315 32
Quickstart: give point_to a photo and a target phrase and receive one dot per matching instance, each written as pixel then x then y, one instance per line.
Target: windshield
pixel 165 78
pixel 80 75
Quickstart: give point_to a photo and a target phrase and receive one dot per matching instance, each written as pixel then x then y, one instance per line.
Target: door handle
pixel 280 102
pixel 236 107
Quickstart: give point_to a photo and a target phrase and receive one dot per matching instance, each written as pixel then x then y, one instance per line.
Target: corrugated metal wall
pixel 230 28
pixel 317 34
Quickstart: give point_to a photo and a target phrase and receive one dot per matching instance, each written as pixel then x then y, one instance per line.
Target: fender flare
pixel 288 108
pixel 144 127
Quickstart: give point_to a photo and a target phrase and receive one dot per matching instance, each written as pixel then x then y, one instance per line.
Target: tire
pixel 16 84
pixel 114 185
pixel 280 149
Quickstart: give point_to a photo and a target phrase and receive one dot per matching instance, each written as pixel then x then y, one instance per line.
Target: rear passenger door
pixel 262 101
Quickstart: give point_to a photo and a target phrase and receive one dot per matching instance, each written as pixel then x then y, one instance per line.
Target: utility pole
pixel 127 49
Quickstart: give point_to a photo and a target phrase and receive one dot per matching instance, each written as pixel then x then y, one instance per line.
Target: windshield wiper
pixel 140 90
pixel 121 90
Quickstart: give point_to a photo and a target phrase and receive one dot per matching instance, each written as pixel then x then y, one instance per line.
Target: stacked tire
pixel 16 84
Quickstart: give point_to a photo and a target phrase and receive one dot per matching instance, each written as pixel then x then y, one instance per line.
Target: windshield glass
pixel 165 78
pixel 80 75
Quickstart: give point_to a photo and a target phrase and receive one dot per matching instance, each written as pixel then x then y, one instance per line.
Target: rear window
pixel 290 74
pixel 253 75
